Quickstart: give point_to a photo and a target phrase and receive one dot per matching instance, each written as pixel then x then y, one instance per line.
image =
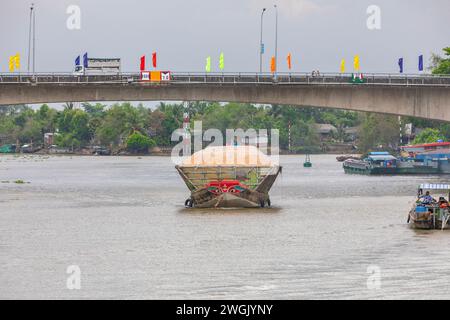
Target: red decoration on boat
pixel 224 186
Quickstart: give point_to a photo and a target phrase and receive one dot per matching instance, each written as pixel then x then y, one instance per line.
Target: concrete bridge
pixel 422 96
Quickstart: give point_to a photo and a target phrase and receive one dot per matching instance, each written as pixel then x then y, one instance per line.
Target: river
pixel 122 223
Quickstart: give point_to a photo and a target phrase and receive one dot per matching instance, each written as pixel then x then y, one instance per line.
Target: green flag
pixel 208 64
pixel 221 62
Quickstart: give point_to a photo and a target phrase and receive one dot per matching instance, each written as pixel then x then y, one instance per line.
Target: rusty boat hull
pixel 229 186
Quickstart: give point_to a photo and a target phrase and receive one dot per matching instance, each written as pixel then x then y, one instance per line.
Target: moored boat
pixel 347 157
pixel 231 176
pixel 429 213
pixel 378 163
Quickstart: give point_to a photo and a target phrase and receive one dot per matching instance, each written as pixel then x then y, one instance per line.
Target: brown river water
pixel 122 222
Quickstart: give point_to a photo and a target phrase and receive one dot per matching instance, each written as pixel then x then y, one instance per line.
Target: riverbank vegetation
pixel 136 128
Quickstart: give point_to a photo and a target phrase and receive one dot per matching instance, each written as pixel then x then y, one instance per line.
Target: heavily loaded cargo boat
pixel 429 213
pixel 385 163
pixel 231 176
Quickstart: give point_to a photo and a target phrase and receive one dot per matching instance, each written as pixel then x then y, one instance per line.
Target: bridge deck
pixel 230 78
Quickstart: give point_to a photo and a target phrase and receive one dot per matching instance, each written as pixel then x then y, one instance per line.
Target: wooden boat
pixel 232 176
pixel 427 213
pixel 347 157
pixel 383 163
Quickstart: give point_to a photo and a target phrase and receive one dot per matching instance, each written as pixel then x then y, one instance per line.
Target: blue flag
pixel 85 60
pixel 77 61
pixel 421 62
pixel 400 64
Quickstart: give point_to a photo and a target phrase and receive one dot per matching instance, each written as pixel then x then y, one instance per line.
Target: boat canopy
pixel 379 153
pixel 434 186
pixel 428 145
pixel 387 157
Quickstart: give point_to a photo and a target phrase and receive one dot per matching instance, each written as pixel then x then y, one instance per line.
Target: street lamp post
pixel 29 37
pixel 261 48
pixel 34 40
pixel 276 39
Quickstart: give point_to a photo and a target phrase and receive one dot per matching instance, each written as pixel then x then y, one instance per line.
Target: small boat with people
pixel 431 210
pixel 229 176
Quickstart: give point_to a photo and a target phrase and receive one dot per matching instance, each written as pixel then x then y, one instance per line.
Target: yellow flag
pixel 343 66
pixel 356 63
pixel 17 61
pixel 221 62
pixel 14 62
pixel 208 64
pixel 11 64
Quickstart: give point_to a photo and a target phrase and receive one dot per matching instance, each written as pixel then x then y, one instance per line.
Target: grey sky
pixel 317 33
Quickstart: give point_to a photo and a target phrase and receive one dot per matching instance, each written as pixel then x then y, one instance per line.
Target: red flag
pixel 289 61
pixel 154 59
pixel 142 63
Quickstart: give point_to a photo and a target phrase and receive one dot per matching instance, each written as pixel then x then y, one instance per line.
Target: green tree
pixel 73 125
pixel 137 142
pixel 428 135
pixel 378 131
pixel 120 121
pixel 441 65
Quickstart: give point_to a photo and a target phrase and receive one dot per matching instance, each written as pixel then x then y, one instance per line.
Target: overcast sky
pixel 184 32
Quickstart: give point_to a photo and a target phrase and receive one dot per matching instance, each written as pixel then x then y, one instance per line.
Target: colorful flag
pixel 421 62
pixel 85 60
pixel 356 65
pixel 142 67
pixel 14 62
pixel 221 62
pixel 154 59
pixel 208 64
pixel 273 66
pixel 342 65
pixel 77 61
pixel 289 61
pixel 17 61
pixel 400 64
pixel 11 64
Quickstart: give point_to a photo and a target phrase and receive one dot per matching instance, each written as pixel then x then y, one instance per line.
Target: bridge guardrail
pixel 231 78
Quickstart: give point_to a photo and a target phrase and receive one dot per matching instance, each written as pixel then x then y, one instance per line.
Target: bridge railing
pixel 230 78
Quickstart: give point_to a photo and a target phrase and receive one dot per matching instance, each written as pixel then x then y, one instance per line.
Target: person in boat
pixel 427 198
pixel 443 203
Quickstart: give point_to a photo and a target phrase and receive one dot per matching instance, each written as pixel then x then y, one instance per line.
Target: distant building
pixel 4 139
pixel 49 139
pixel 352 133
pixel 325 131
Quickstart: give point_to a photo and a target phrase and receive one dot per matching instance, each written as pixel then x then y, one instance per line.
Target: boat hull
pixel 228 200
pixel 228 187
pixel 429 222
pixel 360 167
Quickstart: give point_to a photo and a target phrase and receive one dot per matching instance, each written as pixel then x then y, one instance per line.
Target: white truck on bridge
pixel 98 66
